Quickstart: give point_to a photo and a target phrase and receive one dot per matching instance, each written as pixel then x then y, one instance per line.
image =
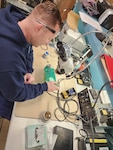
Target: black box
pixel 65 138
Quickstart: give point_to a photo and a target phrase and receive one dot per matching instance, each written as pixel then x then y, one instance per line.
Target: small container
pixel 45 55
pixel 46 115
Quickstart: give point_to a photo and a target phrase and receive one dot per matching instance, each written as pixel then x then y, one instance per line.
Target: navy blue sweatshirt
pixel 16 57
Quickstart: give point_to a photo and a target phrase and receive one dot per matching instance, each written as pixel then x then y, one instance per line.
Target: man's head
pixel 42 24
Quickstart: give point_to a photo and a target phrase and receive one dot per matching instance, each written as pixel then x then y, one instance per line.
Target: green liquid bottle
pixel 49 73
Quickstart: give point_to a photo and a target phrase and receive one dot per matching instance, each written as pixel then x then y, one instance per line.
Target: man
pixel 17 36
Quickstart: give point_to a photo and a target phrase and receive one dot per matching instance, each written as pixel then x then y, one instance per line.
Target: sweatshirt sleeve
pixel 12 87
pixel 29 59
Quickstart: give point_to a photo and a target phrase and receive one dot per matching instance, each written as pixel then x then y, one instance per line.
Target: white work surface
pixel 16 134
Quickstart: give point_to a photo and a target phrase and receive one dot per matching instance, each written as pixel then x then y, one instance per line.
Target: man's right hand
pixel 52 86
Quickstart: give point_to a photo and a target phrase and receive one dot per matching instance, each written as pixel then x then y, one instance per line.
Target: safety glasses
pixel 51 30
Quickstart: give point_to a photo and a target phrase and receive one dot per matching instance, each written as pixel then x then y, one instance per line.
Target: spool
pixel 46 115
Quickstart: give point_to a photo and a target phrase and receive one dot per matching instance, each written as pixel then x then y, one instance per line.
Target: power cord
pixel 95 103
pixel 64 107
pixel 75 72
pixel 92 132
pixel 99 52
pixel 101 91
pixel 63 111
pixel 83 133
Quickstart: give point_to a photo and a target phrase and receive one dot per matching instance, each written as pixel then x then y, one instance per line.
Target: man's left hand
pixel 28 78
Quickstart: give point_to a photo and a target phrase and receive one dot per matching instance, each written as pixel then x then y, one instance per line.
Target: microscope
pixel 66 62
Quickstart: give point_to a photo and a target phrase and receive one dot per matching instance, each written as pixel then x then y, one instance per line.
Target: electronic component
pixel 106 19
pixel 68 93
pixel 100 143
pixel 110 121
pixel 83 79
pixel 94 93
pixel 103 38
pixel 103 116
pixel 87 111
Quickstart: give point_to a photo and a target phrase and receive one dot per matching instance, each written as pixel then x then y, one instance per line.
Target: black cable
pixel 84 132
pixel 57 116
pixel 92 131
pixel 64 108
pixel 65 113
pixel 100 91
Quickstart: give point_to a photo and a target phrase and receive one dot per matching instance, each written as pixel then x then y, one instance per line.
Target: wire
pixel 79 116
pixel 83 69
pixel 83 133
pixel 97 99
pixel 95 104
pixel 92 131
pixel 67 114
pixel 101 91
pixel 93 59
pixel 65 111
pixel 55 113
pixel 99 52
pixel 64 108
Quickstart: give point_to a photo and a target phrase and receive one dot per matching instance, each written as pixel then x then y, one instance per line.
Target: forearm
pixel 13 88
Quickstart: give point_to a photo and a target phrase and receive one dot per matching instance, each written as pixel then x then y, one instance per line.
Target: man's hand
pixel 28 78
pixel 52 86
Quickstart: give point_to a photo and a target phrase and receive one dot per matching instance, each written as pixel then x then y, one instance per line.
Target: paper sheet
pixel 89 20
